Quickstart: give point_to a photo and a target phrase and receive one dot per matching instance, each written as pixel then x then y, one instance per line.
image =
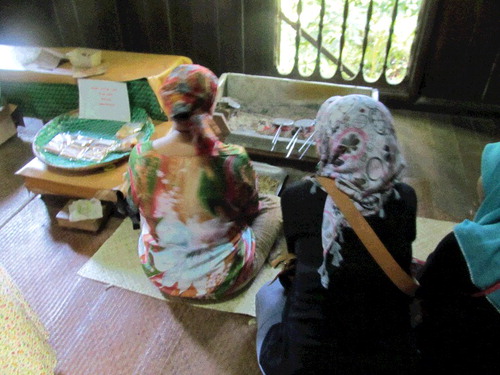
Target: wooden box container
pixel 7 127
pixel 92 225
pixel 263 98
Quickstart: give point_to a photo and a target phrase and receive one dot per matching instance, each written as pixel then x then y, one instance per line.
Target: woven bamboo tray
pixel 70 123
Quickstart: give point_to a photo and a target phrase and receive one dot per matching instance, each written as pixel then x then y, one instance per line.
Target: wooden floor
pixel 100 330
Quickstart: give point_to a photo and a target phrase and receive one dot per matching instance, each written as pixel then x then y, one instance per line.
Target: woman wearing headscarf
pixel 341 314
pixel 197 199
pixel 460 288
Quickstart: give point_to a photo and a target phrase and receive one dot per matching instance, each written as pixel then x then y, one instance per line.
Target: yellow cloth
pixel 155 82
pixel 24 347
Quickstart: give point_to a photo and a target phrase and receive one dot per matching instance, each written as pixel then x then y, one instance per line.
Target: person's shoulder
pixel 298 189
pixel 229 149
pixel 405 191
pixel 139 150
pixel 408 196
pixel 447 250
pixel 299 185
pixel 450 241
pixel 142 148
pixel 445 270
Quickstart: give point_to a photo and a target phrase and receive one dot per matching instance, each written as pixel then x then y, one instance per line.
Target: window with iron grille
pixel 369 41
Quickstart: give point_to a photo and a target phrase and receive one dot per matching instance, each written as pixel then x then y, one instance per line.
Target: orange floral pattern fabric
pixel 24 347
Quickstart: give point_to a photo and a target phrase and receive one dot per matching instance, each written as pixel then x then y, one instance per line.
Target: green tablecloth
pixel 48 100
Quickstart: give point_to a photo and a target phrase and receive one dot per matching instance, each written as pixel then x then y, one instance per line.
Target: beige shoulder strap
pixel 369 238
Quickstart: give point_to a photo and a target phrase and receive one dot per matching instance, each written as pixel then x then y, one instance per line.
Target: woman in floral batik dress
pixel 204 231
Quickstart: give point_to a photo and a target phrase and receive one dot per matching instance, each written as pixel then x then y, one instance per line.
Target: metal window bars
pixel 365 48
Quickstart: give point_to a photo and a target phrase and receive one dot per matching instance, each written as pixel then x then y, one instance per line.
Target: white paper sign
pixel 103 100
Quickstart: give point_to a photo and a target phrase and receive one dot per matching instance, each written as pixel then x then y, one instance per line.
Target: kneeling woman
pixel 204 231
pixel 341 314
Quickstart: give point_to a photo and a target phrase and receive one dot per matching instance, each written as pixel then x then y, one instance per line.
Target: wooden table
pixel 56 91
pixel 121 67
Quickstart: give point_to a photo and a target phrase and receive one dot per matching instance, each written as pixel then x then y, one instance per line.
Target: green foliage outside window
pixel 399 53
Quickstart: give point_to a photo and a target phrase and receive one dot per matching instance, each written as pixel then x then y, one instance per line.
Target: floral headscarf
pixel 357 145
pixel 189 92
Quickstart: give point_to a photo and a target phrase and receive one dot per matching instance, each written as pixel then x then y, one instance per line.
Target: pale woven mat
pixel 429 233
pixel 116 263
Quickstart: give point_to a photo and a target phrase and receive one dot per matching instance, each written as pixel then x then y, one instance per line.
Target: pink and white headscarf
pixel 357 145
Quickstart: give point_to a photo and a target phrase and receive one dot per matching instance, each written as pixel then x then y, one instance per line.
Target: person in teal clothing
pixel 460 288
pixel 205 231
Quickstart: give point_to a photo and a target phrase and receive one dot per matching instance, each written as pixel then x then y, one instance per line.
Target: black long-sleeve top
pixel 460 330
pixel 361 323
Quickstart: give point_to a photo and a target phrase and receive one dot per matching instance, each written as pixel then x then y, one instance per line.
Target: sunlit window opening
pixel 348 37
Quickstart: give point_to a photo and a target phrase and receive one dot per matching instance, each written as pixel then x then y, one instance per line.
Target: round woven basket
pixel 105 129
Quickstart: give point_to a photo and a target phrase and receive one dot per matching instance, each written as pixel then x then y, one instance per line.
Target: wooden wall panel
pixel 157 26
pixel 182 28
pixel 132 15
pixel 491 93
pixel 484 47
pixel 463 49
pixel 89 23
pixel 26 23
pixel 259 17
pixel 232 57
pixel 460 61
pixel 69 27
pixel 145 25
pixel 205 33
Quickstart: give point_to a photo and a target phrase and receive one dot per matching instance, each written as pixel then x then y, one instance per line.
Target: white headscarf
pixel 357 145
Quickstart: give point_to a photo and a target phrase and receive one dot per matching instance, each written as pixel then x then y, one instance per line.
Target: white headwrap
pixel 357 145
